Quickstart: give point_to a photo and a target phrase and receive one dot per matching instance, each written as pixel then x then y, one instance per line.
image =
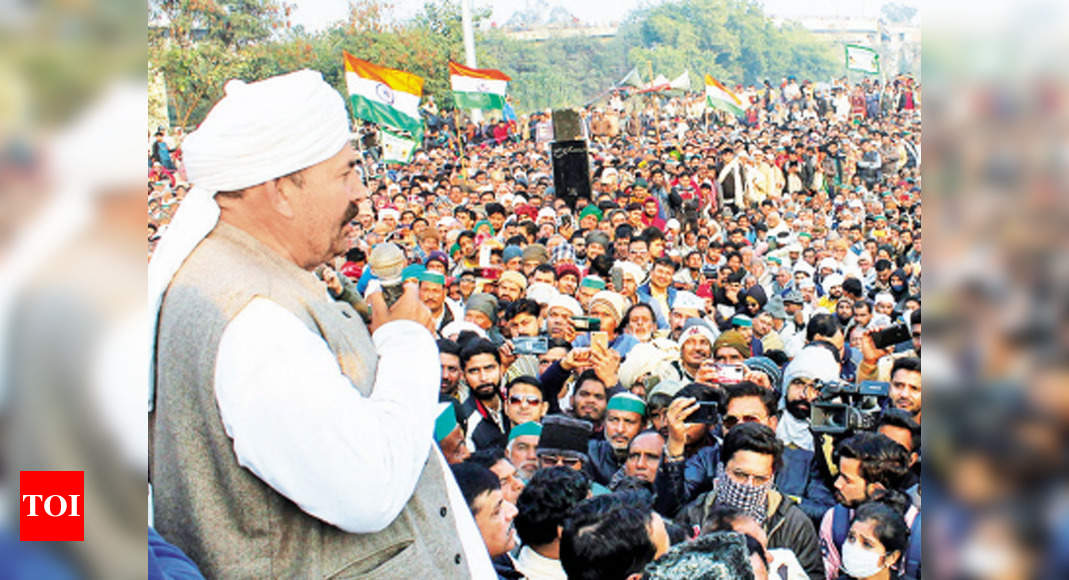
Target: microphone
pixel 387 261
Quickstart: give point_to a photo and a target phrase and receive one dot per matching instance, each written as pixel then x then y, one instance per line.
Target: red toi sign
pixel 51 506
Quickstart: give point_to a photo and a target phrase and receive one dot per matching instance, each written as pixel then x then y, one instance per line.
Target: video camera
pixel 846 407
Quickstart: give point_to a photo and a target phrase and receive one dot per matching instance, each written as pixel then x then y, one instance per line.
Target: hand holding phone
pixel 599 340
pixel 708 413
pixel 530 345
pixel 887 337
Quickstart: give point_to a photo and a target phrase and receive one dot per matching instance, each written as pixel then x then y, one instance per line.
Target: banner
pixel 862 59
pixel 395 148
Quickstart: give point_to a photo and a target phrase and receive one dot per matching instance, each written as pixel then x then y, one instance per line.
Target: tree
pixel 897 13
pixel 732 40
pixel 199 44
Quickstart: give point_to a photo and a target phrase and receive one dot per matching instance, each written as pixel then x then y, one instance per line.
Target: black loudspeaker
pixel 566 125
pixel 571 170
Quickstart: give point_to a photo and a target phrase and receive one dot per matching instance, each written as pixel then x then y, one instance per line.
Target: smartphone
pixel 586 323
pixel 891 336
pixel 490 273
pixel 599 339
pixel 729 373
pixel 708 412
pixel 530 345
pixel 617 278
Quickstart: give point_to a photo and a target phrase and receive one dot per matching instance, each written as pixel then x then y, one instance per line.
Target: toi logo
pixel 51 506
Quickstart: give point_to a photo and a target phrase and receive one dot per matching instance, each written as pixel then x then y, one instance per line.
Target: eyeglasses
pixel 731 420
pixel 805 384
pixel 554 460
pixel 747 478
pixel 530 400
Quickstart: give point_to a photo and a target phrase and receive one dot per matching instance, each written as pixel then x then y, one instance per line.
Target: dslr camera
pixel 847 407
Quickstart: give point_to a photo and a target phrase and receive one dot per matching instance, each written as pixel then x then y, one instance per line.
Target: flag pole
pixel 469 46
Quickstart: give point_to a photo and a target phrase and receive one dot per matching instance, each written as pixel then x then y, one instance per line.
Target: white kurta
pixel 299 424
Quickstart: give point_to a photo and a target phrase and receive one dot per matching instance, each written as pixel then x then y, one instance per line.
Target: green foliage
pixel 210 41
pixel 557 72
pixel 731 40
pixel 207 42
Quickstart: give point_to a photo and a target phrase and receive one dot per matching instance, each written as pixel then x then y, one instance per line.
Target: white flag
pixel 396 149
pixel 862 58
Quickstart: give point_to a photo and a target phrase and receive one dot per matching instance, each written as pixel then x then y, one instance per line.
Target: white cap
pixel 542 293
pixel 833 280
pixel 689 301
pixel 566 302
pixel 631 269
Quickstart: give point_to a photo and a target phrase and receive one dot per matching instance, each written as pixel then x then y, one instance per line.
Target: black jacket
pixel 603 462
pixel 481 429
pixel 787 526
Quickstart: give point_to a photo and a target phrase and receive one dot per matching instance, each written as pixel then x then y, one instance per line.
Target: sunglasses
pixel 731 420
pixel 554 460
pixel 529 400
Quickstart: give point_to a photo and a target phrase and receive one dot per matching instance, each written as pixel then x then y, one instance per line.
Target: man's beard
pixel 620 453
pixel 586 415
pixel 850 504
pixel 580 254
pixel 485 392
pixel 449 387
pixel 844 321
pixel 799 409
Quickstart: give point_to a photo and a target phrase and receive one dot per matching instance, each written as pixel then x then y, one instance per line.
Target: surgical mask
pixel 859 562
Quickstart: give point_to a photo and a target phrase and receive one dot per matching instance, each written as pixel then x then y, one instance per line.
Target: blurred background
pixel 73 329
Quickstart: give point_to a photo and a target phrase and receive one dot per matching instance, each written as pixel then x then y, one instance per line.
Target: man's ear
pixel 280 194
pixel 873 488
pixel 635 576
pixel 773 422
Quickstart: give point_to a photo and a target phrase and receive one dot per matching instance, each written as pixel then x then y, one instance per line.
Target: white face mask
pixel 859 562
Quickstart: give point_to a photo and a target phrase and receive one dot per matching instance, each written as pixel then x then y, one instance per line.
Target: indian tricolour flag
pixel 718 96
pixel 478 88
pixel 383 95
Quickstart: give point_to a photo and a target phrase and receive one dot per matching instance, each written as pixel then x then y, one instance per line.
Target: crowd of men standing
pixel 628 386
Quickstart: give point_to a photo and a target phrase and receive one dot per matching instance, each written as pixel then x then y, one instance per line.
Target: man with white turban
pixel 287 439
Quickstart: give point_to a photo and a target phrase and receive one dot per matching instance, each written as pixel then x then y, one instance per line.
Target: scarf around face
pixel 751 499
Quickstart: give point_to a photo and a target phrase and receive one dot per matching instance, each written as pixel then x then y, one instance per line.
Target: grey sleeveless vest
pixel 226 519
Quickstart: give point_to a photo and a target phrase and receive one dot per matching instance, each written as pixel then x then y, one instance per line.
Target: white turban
pixel 259 131
pixel 688 301
pixel 645 358
pixel 568 303
pixel 543 293
pixel 615 300
pixel 631 269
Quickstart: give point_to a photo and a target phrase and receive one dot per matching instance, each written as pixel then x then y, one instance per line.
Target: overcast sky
pixel 316 14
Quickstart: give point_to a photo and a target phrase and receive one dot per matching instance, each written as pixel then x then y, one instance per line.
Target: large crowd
pixel 709 368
